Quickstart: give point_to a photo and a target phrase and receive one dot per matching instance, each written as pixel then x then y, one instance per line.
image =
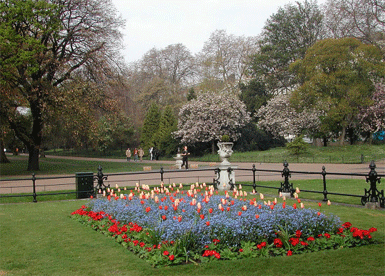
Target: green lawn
pixel 330 154
pixel 41 239
pixel 341 186
pixel 18 166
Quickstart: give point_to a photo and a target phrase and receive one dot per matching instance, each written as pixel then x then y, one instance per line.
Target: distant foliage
pixel 210 116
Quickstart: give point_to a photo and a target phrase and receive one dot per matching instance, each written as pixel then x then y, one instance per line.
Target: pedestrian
pixel 135 154
pixel 140 153
pixel 151 153
pixel 185 155
pixel 128 154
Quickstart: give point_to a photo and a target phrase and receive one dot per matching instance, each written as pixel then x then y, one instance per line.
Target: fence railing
pixel 85 182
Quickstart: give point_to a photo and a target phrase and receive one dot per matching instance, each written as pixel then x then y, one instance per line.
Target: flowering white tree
pixel 210 116
pixel 280 119
pixel 372 118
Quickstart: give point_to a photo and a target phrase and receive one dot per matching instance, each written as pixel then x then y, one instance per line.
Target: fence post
pixel 373 195
pixel 101 177
pixel 161 174
pixel 34 187
pixel 286 187
pixel 325 192
pixel 254 184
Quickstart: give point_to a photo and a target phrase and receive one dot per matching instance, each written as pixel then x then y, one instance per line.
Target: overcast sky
pixel 159 23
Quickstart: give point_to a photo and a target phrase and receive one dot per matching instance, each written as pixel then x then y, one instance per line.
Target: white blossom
pixel 281 119
pixel 211 116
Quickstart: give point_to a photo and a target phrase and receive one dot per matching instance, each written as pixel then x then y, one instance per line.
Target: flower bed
pixel 170 226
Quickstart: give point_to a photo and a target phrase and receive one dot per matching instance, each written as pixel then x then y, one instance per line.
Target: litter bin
pixel 84 184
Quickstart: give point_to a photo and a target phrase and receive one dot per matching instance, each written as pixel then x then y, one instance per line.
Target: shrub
pixel 297 146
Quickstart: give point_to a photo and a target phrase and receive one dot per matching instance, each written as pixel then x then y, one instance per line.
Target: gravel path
pixel 194 174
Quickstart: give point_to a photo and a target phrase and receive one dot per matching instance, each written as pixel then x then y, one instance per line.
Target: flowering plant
pixel 170 226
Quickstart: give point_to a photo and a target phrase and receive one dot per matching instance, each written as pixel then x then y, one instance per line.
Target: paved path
pixel 194 174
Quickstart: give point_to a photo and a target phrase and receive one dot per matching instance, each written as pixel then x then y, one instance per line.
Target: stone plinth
pixel 178 161
pixel 225 176
pixel 372 205
pixel 286 195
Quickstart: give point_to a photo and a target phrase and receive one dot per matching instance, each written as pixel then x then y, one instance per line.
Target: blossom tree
pixel 372 118
pixel 281 119
pixel 210 116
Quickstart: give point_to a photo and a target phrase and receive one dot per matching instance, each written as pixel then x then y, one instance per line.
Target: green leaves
pixel 337 76
pixel 286 37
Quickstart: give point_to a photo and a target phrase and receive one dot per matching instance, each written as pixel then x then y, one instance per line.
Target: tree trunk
pixel 325 140
pixel 33 160
pixel 3 157
pixel 342 137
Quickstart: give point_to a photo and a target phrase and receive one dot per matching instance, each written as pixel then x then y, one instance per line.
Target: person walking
pixel 128 154
pixel 135 154
pixel 140 153
pixel 185 155
pixel 151 153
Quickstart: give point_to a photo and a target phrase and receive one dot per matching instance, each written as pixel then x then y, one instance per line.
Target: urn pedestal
pixel 226 177
pixel 226 172
pixel 178 161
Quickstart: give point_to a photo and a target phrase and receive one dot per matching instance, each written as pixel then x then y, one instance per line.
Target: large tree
pixel 210 116
pixel 254 95
pixel 167 125
pixel 285 38
pixel 225 59
pixel 42 43
pixel 280 119
pixel 150 126
pixel 337 78
pixel 362 19
pixel 161 76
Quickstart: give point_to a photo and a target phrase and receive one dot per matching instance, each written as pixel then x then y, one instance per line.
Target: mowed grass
pixel 347 154
pixel 41 239
pixel 50 166
pixel 307 187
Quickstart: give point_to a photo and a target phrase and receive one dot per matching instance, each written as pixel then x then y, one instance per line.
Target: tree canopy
pixel 279 118
pixel 210 116
pixel 285 38
pixel 337 79
pixel 42 44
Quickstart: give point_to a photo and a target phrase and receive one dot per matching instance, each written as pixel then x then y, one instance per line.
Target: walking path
pixel 192 175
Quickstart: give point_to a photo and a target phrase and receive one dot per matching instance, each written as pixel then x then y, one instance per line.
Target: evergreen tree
pixel 150 126
pixel 164 140
pixel 191 94
pixel 254 95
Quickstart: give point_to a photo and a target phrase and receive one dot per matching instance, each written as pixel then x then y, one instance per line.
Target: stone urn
pixel 225 151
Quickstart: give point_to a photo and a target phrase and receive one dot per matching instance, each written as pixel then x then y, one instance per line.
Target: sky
pixel 159 23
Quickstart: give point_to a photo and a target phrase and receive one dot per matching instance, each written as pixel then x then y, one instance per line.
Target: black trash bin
pixel 84 184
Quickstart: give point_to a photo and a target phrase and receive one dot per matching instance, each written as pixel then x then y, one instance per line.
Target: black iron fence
pixel 372 195
pixel 90 184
